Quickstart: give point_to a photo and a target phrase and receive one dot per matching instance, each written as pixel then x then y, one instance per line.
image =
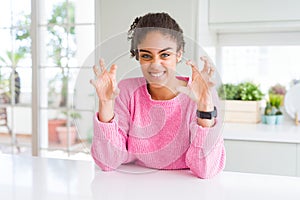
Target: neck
pixel 165 92
pixel 161 93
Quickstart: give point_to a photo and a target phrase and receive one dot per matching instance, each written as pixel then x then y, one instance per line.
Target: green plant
pixel 249 92
pixel 12 58
pixel 228 91
pixel 269 109
pixel 73 115
pixel 277 89
pixel 275 101
pixel 62 39
pixel 246 91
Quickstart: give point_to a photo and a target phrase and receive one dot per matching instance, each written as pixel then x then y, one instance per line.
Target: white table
pixel 44 178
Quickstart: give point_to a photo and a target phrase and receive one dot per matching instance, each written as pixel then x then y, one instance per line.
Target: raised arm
pixel 109 141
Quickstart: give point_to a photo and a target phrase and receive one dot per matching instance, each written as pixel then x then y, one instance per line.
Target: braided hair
pixel 161 22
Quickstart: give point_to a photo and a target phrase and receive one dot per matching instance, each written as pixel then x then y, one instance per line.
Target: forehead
pixel 157 40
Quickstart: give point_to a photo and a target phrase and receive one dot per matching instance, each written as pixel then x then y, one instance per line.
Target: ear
pixel 179 56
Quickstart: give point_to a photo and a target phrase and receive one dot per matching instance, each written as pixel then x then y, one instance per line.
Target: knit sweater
pixel 160 134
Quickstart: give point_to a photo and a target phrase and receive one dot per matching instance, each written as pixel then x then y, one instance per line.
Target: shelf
pixel 287 132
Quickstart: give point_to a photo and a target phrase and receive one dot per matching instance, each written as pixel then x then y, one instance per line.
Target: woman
pixel 159 120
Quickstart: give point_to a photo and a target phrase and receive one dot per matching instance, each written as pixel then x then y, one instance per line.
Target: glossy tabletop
pixel 23 178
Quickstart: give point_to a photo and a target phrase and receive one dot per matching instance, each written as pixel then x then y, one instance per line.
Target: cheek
pixel 144 64
pixel 171 63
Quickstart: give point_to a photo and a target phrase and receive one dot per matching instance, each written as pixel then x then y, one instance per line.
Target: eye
pixel 165 55
pixel 146 56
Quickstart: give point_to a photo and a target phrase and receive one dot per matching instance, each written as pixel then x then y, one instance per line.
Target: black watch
pixel 207 115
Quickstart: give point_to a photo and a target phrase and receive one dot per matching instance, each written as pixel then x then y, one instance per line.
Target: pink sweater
pixel 157 134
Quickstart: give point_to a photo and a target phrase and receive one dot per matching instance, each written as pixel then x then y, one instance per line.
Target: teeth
pixel 156 74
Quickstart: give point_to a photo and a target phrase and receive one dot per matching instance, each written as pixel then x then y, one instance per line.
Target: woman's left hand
pixel 202 82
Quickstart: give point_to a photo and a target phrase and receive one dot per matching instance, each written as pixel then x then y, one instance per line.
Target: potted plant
pixel 64 131
pixel 278 89
pixel 269 114
pixel 276 101
pixel 60 53
pixel 10 87
pixel 242 102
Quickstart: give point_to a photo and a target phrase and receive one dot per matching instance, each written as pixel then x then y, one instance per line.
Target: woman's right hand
pixel 105 82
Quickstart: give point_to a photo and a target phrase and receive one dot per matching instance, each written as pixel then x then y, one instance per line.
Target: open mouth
pixel 157 74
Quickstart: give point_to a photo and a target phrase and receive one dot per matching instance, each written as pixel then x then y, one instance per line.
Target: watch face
pixel 207 115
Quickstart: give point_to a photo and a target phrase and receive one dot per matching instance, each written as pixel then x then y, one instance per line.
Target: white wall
pixel 116 17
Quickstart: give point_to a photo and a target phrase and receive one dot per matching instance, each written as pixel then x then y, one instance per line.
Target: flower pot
pixel 263 119
pixel 270 119
pixel 279 119
pixel 238 111
pixel 62 133
pixel 52 125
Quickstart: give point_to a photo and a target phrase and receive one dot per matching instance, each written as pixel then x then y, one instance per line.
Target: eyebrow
pixel 165 49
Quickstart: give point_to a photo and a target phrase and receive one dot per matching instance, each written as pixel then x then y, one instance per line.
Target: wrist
pixel 106 111
pixel 205 104
pixel 206 122
pixel 205 107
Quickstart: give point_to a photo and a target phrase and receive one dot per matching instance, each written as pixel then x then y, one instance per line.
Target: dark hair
pixel 161 22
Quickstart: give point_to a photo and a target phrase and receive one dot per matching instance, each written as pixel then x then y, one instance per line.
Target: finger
pixel 96 70
pixel 192 64
pixel 212 71
pixel 195 70
pixel 102 64
pixel 206 67
pixel 93 82
pixel 113 70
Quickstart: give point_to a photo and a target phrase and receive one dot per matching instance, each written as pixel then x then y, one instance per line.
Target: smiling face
pixel 158 58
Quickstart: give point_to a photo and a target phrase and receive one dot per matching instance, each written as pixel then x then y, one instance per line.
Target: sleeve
pixel 206 155
pixel 109 145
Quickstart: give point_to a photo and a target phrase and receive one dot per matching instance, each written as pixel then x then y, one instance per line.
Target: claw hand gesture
pixel 105 82
pixel 200 88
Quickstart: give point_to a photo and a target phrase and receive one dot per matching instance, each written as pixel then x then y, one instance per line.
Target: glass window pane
pixel 5 10
pixel 5 96
pixel 84 96
pixel 50 9
pixel 5 129
pixel 22 122
pixel 84 125
pixel 266 65
pixel 6 45
pixel 54 46
pixel 62 132
pixel 20 9
pixel 25 74
pixel 84 11
pixel 52 94
pixel 85 46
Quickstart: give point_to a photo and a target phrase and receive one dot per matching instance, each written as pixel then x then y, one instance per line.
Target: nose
pixel 156 61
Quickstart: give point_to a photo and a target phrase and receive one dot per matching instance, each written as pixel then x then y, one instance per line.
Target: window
pixel 265 65
pixel 15 77
pixel 65 38
pixel 265 58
